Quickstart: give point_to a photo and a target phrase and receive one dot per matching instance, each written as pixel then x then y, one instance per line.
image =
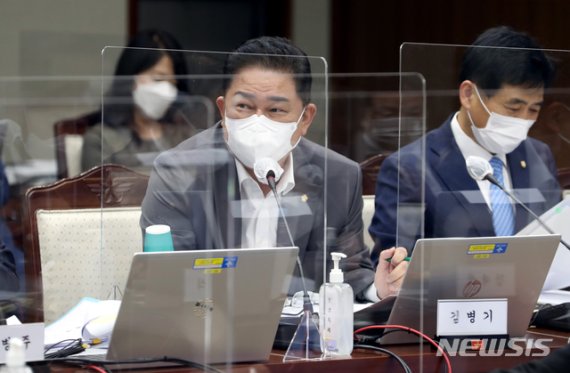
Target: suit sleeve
pixel 548 184
pixel 398 184
pixel 383 226
pixel 166 202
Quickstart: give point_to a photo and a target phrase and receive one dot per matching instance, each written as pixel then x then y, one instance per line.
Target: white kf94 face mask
pixel 502 134
pixel 154 98
pixel 257 137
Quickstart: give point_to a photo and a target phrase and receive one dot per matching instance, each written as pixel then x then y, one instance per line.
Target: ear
pixel 307 118
pixel 221 104
pixel 467 94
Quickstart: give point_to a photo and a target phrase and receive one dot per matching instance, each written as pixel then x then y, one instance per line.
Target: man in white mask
pixel 501 91
pixel 213 189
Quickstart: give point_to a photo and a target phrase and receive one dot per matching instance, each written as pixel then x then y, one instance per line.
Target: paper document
pixel 558 220
pixel 554 297
pixel 294 306
pixel 70 325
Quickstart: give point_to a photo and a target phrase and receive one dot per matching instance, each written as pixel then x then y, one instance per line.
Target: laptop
pixel 469 268
pixel 207 306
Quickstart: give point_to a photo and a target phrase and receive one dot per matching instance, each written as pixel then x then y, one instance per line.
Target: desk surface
pixel 420 358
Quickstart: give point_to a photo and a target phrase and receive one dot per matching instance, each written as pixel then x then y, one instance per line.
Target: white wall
pixel 51 62
pixel 311 26
pixel 58 37
pixel 311 32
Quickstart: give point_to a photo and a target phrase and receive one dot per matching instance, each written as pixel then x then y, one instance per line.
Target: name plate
pixel 471 317
pixel 31 334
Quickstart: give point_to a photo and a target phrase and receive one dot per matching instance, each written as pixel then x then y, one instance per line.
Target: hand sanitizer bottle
pixel 336 316
pixel 16 358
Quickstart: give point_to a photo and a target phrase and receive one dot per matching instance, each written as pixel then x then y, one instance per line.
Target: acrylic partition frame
pixel 450 198
pixel 372 115
pixel 39 122
pixel 202 172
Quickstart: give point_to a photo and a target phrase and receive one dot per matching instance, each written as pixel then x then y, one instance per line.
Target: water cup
pixel 158 238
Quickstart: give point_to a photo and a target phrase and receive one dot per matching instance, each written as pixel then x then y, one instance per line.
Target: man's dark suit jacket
pixel 8 274
pixel 453 205
pixel 8 278
pixel 194 189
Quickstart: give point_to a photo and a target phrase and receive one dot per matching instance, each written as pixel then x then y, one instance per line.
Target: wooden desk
pixel 419 358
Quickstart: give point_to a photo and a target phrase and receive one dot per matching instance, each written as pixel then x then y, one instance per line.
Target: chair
pixel 564 180
pixel 69 141
pixel 370 168
pixel 80 234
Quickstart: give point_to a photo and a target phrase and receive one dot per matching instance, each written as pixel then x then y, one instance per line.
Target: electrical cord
pixel 97 362
pixel 70 340
pixel 404 365
pixel 97 368
pixel 74 346
pixel 413 331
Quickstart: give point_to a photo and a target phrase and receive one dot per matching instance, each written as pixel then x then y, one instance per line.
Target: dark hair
pixel 512 58
pixel 273 53
pixel 144 51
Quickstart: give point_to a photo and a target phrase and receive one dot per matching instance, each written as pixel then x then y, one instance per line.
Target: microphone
pixel 480 169
pixel 263 166
pixel 270 177
pixel 268 171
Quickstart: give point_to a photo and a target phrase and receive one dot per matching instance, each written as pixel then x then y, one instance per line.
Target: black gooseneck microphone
pixel 270 177
pixel 480 169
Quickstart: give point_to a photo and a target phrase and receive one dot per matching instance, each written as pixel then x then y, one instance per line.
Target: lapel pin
pixel 304 198
pixel 523 164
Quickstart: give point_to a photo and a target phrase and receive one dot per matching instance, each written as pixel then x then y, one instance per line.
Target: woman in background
pixel 147 108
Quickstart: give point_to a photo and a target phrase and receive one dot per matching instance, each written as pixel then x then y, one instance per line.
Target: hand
pixel 390 275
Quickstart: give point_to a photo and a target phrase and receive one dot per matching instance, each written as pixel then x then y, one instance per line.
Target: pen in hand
pixel 406 259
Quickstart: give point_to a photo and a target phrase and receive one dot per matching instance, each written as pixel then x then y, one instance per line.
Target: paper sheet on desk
pixel 558 276
pixel 69 326
pixel 292 311
pixel 554 297
pixel 557 219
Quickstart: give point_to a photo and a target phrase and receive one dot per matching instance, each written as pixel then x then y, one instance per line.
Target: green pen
pixel 406 259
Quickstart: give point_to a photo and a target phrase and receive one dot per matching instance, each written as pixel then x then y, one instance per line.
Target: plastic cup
pixel 158 238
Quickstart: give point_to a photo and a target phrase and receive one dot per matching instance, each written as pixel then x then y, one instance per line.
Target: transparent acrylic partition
pixel 474 265
pixel 177 163
pixel 372 116
pixel 41 119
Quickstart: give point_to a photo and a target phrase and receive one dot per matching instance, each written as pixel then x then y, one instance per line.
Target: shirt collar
pixel 468 146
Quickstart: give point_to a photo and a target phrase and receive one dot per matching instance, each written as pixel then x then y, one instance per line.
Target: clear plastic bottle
pixel 336 318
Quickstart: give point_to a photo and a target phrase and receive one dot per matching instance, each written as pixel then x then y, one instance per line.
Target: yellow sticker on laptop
pixel 211 263
pixel 493 248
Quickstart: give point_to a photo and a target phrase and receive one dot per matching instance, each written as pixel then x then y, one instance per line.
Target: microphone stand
pixel 494 181
pixel 306 342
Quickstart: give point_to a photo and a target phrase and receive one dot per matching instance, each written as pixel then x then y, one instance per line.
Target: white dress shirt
pixel 468 147
pixel 260 212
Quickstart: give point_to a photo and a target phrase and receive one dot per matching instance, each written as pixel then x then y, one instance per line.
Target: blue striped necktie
pixel 503 216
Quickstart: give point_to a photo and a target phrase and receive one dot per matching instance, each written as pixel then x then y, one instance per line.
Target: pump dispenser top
pixel 16 358
pixel 335 312
pixel 336 275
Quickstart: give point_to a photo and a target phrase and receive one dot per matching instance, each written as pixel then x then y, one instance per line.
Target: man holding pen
pixel 501 90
